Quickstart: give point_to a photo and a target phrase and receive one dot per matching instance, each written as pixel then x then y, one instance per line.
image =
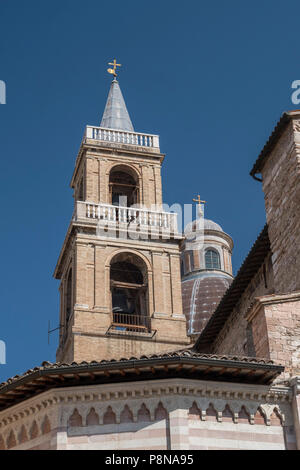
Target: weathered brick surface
pixel 85 335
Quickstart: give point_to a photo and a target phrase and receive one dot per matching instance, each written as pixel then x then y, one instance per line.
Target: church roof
pixel 185 363
pixel 249 268
pixel 115 114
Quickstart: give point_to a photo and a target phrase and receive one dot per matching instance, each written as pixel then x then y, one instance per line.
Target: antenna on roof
pixel 52 331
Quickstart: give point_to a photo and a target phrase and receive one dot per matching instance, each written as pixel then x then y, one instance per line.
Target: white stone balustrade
pixel 122 137
pixel 126 215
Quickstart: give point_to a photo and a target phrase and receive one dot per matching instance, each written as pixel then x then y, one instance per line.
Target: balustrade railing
pixel 122 137
pixel 131 323
pixel 126 215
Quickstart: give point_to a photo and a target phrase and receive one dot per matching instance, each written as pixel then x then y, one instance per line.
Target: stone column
pixel 80 275
pixel 296 408
pixel 101 293
pixel 176 284
pixel 157 282
pixel 179 429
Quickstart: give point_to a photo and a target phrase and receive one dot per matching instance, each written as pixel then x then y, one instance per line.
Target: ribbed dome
pixel 201 296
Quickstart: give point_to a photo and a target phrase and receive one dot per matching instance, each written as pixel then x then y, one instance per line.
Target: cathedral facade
pixel 160 347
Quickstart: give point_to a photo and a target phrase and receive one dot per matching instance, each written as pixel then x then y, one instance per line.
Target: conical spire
pixel 115 115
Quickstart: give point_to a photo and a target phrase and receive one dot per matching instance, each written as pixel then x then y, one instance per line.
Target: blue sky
pixel 212 78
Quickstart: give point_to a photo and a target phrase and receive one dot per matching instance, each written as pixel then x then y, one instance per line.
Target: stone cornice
pixel 150 390
pixel 270 300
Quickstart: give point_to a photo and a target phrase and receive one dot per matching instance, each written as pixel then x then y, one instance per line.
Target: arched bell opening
pixel 129 293
pixel 124 186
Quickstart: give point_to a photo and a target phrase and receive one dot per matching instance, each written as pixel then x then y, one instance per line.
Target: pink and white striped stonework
pixel 154 415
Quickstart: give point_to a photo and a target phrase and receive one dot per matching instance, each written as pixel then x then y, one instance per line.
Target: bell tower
pixel 119 267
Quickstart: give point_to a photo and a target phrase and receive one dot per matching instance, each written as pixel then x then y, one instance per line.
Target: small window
pixel 182 268
pixel 192 264
pixel 212 260
pixel 81 191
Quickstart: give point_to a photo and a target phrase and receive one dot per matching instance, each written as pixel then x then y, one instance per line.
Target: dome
pixel 211 225
pixel 201 296
pixel 198 225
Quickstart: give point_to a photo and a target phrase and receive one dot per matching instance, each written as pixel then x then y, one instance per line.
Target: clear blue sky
pixel 212 78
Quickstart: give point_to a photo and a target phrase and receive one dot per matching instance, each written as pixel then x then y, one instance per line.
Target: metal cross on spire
pixel 199 208
pixel 199 200
pixel 113 70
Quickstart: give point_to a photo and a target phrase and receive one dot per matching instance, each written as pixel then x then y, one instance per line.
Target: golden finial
pixel 115 65
pixel 199 200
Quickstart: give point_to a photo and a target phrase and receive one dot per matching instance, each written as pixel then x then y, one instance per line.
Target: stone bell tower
pixel 119 267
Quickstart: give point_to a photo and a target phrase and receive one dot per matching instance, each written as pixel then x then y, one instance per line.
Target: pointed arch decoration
pixel 160 412
pixel 92 418
pixel 211 413
pixel 11 441
pixel 46 425
pixel 75 419
pixel 126 415
pixel 23 436
pixel 143 414
pixel 194 412
pixel 34 430
pixel 109 416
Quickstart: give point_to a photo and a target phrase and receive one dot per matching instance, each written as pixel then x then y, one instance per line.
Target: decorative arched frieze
pixel 259 417
pixel 75 419
pixel 211 413
pixel 34 430
pixel 227 415
pixel 109 416
pixel 143 414
pixel 92 418
pixel 11 440
pixel 46 425
pixel 126 415
pixel 23 435
pixel 194 412
pixel 160 412
pixel 2 443
pixel 244 416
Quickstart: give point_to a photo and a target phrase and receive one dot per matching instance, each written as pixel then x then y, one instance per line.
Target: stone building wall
pixel 154 415
pixel 236 337
pixel 281 186
pixel 275 323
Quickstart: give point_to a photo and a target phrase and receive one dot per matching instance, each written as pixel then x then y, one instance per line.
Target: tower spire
pixel 115 114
